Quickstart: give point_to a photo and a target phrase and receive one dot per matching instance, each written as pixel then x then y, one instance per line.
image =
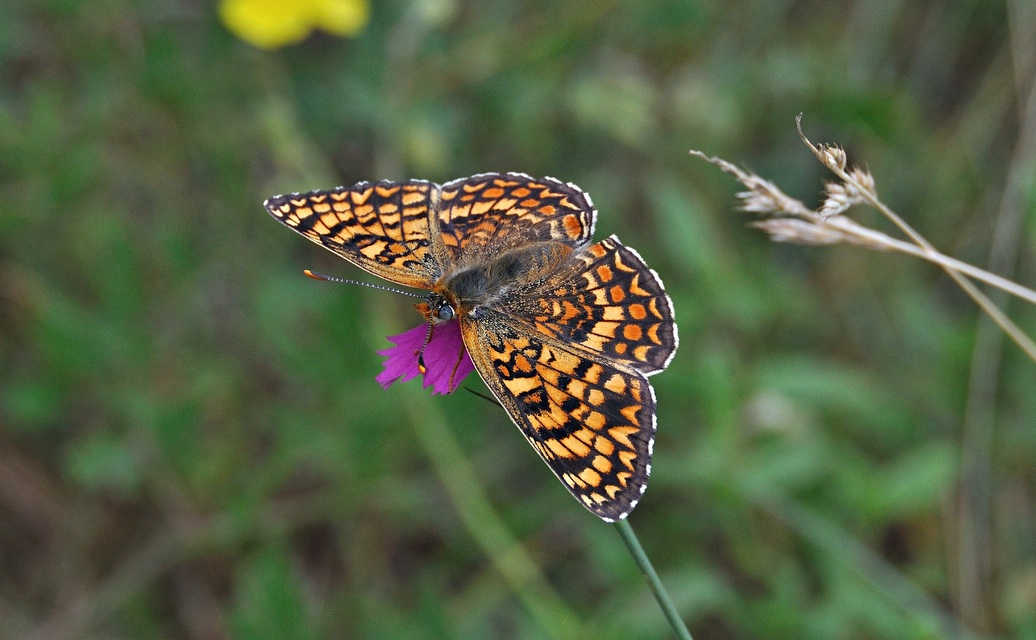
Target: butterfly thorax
pixel 486 282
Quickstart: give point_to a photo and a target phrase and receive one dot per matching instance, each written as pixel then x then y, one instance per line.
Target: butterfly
pixel 563 331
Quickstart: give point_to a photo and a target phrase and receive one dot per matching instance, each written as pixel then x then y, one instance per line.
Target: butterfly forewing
pixel 485 214
pixel 384 228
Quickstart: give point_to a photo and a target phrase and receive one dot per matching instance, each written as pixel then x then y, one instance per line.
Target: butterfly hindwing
pixel 608 303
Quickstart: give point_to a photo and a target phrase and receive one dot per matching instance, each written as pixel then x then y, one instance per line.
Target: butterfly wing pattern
pixel 382 228
pixel 563 332
pixel 481 216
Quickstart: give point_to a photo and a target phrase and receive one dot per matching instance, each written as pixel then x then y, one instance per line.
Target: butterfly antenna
pixel 420 352
pixel 320 276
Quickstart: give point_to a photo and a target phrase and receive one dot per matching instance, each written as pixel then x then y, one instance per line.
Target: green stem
pixel 664 601
pixel 482 522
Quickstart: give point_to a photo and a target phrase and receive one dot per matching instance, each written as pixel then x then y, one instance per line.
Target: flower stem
pixel 664 601
pixel 461 481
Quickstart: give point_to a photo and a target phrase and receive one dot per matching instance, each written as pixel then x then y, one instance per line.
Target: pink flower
pixel 446 360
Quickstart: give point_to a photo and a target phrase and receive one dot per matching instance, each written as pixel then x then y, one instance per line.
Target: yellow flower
pixel 274 23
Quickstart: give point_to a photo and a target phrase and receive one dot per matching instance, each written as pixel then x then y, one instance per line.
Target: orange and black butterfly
pixel 563 331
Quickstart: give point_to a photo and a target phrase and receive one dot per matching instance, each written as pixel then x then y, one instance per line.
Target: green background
pixel 192 443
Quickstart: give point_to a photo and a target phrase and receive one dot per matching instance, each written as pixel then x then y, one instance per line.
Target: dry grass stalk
pixel 789 220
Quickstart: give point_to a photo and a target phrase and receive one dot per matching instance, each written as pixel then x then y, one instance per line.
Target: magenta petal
pixel 401 360
pixel 446 360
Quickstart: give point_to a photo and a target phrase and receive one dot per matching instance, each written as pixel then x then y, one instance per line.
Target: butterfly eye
pixel 445 312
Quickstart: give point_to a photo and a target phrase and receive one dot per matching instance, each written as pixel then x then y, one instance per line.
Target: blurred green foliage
pixel 192 443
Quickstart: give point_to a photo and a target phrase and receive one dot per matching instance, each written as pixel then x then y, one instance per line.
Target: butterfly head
pixel 437 308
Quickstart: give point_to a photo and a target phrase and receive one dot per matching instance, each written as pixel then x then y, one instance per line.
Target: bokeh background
pixel 192 443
